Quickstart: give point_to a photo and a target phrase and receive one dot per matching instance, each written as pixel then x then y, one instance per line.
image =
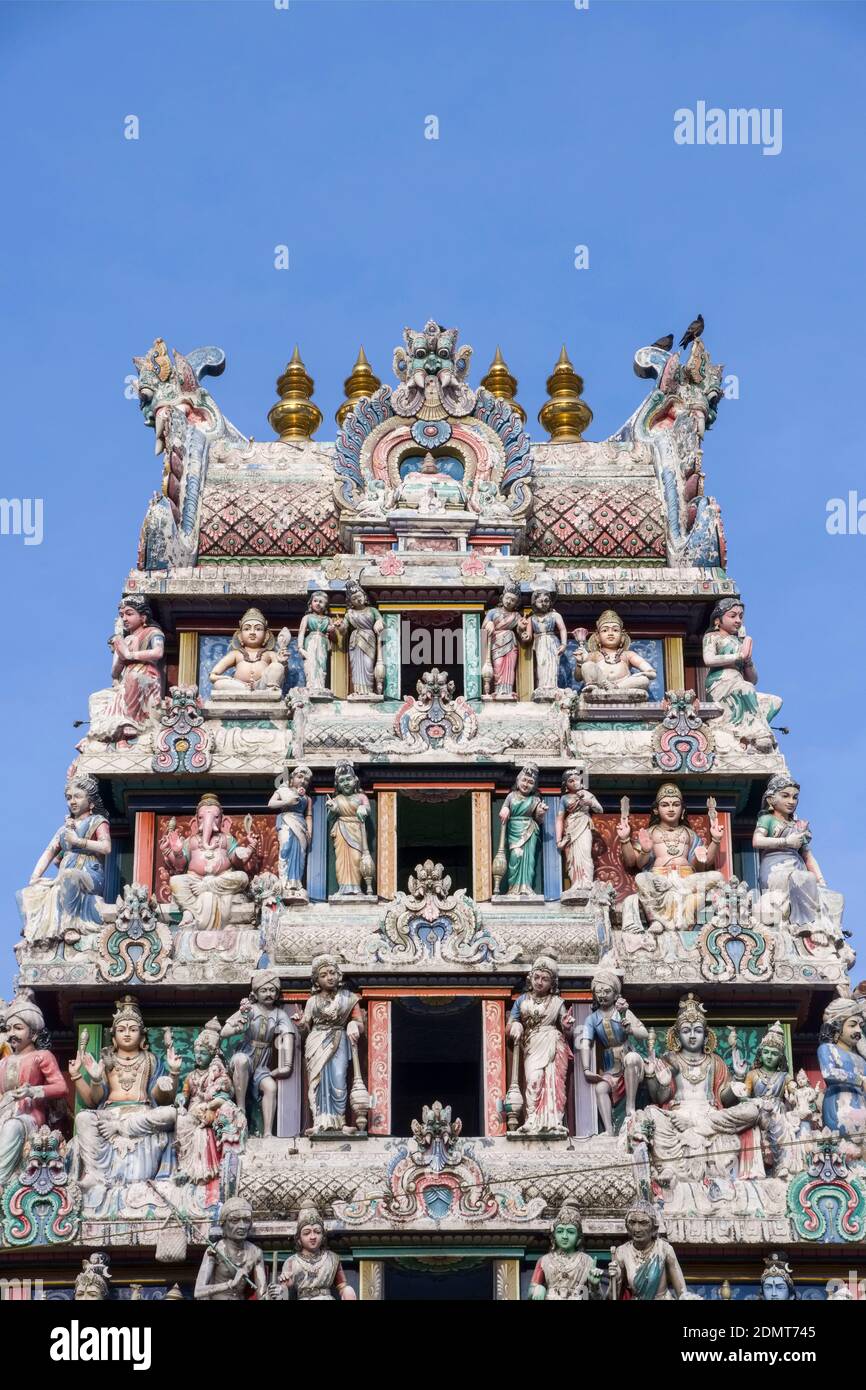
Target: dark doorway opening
pixel 426 1280
pixel 437 1050
pixel 428 640
pixel 437 828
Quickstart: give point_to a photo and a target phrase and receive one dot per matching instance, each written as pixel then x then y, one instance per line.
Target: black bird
pixel 665 343
pixel 694 330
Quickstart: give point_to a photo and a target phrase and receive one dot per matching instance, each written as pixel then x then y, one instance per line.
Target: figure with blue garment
pixel 842 1059
pixel 613 1027
pixel 267 1036
pixel 294 830
pixel 331 1024
pixel 65 908
pixel 646 1267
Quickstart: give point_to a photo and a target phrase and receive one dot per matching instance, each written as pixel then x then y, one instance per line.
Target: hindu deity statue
pixel 137 672
pixel 701 1125
pixel 349 810
pixel 233 1269
pixel 124 1132
pixel 540 1027
pixel 546 630
pixel 777 1280
pixel 267 1049
pixel 294 830
pixel 732 678
pixel 501 632
pixel 614 1028
pixel 521 816
pixel 769 1081
pixel 208 873
pixel 364 625
pixel 92 1285
pixel 795 893
pixel 674 869
pixel 646 1266
pixel 574 828
pixel 566 1273
pixel 30 1080
pixel 428 489
pixel 331 1025
pixel 208 1120
pixel 316 636
pixel 256 659
pixel 611 672
pixel 66 908
pixel 842 1059
pixel 314 1272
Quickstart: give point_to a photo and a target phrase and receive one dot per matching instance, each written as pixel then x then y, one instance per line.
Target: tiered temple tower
pixel 432 862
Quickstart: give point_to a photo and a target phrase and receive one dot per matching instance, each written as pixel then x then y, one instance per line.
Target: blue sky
pixel 305 127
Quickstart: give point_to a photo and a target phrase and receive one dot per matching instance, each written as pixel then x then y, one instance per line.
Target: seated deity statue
pixel 30 1080
pixel 313 1273
pixel 207 876
pixel 566 1273
pixel 256 660
pixel 209 1122
pixel 429 490
pixel 233 1269
pixel 611 672
pixel 842 1059
pixel 732 679
pixel 646 1266
pixel 674 870
pixel 700 1125
pixel 794 892
pixel 125 1131
pixel 66 909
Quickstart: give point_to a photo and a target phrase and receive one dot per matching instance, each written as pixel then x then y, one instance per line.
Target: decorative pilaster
pixel 386 844
pixel 525 682
pixel 371 1281
pixel 675 672
pixel 391 655
pixel 379 1065
pixel 145 849
pixel 551 859
pixel 482 877
pixel 187 663
pixel 317 859
pixel 472 656
pixel 493 1015
pixel 339 663
pixel 506 1281
pixel 585 1113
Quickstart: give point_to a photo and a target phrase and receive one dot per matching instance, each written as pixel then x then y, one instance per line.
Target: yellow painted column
pixel 187 664
pixel 482 877
pixel 371 1281
pixel 675 671
pixel 339 663
pixel 386 844
pixel 525 683
pixel 506 1274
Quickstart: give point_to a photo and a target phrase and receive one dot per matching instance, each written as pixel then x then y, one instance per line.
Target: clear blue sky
pixel 261 126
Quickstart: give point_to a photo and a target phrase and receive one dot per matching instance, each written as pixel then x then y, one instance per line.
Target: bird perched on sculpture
pixel 694 330
pixel 665 343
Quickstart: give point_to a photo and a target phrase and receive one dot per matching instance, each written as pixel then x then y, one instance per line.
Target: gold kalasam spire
pixel 565 416
pixel 500 383
pixel 295 416
pixel 361 381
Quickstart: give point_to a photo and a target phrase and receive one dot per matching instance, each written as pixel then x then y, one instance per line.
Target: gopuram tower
pixel 432 911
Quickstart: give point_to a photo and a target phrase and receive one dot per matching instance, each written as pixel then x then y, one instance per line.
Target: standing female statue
pixel 316 636
pixel 549 638
pixel 789 872
pixel 314 1272
pixel 65 908
pixel 566 1273
pixel 521 817
pixel 540 1025
pixel 332 1024
pixel 349 810
pixel 574 828
pixel 294 830
pixel 503 628
pixel 732 678
pixel 364 625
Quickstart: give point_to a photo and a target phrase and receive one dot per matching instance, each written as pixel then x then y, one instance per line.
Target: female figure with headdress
pixel 574 827
pixel 549 639
pixel 567 1273
pixel 503 628
pixel 674 870
pixel 315 639
pixel 522 813
pixel 540 1024
pixel 790 875
pixel 700 1125
pixel 208 1120
pixel 313 1273
pixel 65 908
pixel 613 1027
pixel 255 658
pixel 609 669
pixel 364 626
pixel 349 811
pixel 93 1283
pixel 30 1080
pixel 769 1081
pixel 138 672
pixel 332 1024
pixel 645 1267
pixel 294 829
pixel 124 1132
pixel 732 678
pixel 842 1059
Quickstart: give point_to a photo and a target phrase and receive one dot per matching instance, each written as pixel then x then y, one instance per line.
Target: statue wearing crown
pixel 256 659
pixel 611 672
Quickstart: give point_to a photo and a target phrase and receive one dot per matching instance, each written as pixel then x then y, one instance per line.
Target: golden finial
pixel 361 381
pixel 295 416
pixel 565 416
pixel 500 383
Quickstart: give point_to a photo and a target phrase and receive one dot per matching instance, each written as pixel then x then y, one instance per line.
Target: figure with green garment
pixel 732 677
pixel 521 816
